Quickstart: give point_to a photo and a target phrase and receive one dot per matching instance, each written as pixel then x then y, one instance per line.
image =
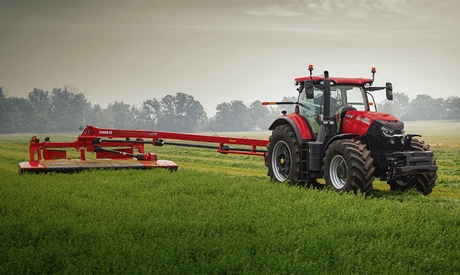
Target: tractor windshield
pixel 341 96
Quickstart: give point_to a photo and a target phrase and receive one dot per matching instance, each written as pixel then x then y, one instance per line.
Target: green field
pixel 220 214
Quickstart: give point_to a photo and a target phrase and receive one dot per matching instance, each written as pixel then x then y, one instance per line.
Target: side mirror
pixel 308 84
pixel 389 89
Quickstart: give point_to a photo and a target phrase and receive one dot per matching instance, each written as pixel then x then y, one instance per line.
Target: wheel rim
pixel 338 172
pixel 281 161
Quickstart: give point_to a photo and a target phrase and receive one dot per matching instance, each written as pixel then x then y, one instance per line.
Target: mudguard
pixel 337 137
pixel 298 124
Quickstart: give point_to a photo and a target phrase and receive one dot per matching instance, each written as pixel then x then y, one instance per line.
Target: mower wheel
pixel 283 157
pixel 423 182
pixel 348 167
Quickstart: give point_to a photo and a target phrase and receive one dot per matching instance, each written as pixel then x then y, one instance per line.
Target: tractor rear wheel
pixel 423 182
pixel 283 157
pixel 348 166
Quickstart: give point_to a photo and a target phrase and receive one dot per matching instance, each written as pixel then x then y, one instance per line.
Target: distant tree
pixel 41 103
pixel 24 115
pixel 397 107
pixel 453 107
pixel 100 117
pixel 261 116
pixel 16 115
pixel 123 115
pixel 180 113
pixel 40 100
pixel 233 116
pixel 148 114
pixel 424 107
pixel 69 109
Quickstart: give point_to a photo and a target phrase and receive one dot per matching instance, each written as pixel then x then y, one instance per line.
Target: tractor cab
pixel 343 97
pixel 324 98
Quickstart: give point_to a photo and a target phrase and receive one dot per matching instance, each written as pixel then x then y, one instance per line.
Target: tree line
pixel 66 109
pixel 422 107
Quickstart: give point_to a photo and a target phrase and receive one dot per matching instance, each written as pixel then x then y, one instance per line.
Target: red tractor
pixel 333 134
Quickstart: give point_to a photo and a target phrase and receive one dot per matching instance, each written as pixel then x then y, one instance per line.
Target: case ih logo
pixel 365 120
pixel 105 132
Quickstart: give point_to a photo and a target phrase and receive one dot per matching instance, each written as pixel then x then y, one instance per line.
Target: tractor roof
pixel 337 80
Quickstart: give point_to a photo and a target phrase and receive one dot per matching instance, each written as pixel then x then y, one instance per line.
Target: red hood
pixel 373 115
pixel 359 121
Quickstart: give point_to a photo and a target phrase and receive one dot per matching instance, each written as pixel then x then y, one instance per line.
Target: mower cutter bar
pixel 66 166
pixel 117 149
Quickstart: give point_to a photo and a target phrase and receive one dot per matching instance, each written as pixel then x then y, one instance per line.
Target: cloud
pixel 395 6
pixel 275 10
pixel 309 7
pixel 349 8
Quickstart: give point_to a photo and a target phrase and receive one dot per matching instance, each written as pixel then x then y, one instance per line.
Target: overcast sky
pixel 220 50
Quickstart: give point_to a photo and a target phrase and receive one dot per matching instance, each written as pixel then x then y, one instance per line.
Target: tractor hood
pixel 372 115
pixel 358 122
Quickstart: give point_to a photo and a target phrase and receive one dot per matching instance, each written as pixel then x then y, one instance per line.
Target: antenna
pixel 310 68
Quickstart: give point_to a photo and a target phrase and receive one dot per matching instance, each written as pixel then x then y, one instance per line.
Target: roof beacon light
pixel 310 68
pixel 373 71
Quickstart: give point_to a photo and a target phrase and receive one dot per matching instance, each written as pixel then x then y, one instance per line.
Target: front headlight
pixel 387 132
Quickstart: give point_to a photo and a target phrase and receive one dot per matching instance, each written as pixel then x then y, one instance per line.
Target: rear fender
pixel 297 123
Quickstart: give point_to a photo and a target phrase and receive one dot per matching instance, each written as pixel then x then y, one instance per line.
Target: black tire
pixel 283 156
pixel 348 167
pixel 424 182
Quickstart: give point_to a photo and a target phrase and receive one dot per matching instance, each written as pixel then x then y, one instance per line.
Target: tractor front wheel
pixel 283 157
pixel 348 167
pixel 423 182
